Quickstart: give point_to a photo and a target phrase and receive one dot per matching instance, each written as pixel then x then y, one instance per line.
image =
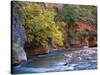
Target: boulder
pixel 18 54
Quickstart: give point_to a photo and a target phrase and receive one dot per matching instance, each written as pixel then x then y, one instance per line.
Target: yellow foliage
pixel 58 39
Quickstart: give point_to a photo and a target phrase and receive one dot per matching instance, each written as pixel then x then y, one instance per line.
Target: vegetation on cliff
pixel 45 20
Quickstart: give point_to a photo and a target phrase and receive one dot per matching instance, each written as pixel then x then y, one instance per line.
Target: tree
pixel 70 15
pixel 81 35
pixel 88 13
pixel 39 25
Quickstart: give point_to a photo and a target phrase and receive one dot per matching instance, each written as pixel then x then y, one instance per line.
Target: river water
pixel 76 59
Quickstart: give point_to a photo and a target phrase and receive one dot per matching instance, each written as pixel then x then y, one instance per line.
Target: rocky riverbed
pixel 76 59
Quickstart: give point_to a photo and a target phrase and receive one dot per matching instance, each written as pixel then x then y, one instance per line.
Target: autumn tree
pixel 39 24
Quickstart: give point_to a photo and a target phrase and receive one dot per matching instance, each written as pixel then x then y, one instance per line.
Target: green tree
pixel 70 15
pixel 88 13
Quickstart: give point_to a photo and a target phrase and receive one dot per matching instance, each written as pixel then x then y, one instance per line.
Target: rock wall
pixel 18 35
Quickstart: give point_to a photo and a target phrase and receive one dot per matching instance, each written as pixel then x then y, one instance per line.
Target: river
pixel 76 59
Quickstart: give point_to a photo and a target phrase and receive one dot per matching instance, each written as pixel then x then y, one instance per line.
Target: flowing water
pixel 76 59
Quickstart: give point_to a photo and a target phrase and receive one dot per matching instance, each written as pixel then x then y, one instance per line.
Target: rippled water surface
pixel 76 59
